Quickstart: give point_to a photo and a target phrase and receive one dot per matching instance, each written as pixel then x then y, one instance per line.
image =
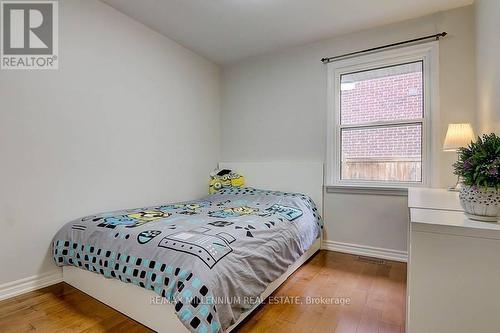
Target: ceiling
pixel 225 31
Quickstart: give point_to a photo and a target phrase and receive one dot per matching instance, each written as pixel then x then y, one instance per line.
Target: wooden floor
pixel 376 293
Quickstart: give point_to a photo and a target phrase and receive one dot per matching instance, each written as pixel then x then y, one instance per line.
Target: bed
pixel 201 265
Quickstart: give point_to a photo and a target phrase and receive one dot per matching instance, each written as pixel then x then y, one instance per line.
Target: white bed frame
pixel 147 307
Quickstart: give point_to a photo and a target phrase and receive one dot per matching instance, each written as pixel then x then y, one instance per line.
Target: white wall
pixel 274 108
pixel 488 64
pixel 130 119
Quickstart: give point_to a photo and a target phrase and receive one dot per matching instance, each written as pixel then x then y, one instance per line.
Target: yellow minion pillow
pixel 225 178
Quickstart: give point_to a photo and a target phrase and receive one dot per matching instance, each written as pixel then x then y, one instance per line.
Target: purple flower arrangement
pixel 479 163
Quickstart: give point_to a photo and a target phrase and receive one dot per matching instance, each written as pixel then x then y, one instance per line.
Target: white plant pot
pixel 480 203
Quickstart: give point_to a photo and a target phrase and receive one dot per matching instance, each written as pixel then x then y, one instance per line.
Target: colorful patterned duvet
pixel 209 257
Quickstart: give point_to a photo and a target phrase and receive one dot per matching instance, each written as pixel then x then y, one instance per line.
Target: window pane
pixel 382 94
pixel 392 153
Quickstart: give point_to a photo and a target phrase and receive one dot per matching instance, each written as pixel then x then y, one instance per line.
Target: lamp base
pixel 458 184
pixel 455 188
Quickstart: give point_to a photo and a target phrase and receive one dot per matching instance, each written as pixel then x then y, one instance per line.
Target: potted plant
pixel 478 167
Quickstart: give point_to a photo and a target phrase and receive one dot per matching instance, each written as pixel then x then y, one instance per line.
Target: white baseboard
pixel 363 250
pixel 15 288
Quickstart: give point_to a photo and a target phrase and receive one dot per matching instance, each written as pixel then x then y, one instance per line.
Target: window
pixel 380 108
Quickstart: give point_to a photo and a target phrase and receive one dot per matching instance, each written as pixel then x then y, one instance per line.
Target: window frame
pixel 428 54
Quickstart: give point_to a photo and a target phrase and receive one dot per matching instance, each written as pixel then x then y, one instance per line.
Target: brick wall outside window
pixel 383 153
pixel 397 97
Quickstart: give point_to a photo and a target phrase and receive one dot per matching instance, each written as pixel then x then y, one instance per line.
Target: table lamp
pixel 457 136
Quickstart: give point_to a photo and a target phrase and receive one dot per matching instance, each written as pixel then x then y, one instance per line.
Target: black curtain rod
pixel 436 36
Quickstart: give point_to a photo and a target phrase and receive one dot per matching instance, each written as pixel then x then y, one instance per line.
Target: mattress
pixel 211 257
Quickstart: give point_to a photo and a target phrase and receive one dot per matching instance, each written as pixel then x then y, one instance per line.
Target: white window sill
pixel 353 189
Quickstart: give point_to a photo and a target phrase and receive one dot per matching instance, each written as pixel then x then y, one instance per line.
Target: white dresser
pixel 453 267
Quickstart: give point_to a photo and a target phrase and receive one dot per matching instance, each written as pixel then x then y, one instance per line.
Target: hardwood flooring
pixel 377 296
pixel 375 292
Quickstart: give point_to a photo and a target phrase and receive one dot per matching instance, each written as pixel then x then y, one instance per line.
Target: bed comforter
pixel 211 257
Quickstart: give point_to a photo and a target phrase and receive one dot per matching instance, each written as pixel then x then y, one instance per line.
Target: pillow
pixel 225 178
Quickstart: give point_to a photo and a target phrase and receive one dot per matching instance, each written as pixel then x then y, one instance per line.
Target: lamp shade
pixel 458 135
